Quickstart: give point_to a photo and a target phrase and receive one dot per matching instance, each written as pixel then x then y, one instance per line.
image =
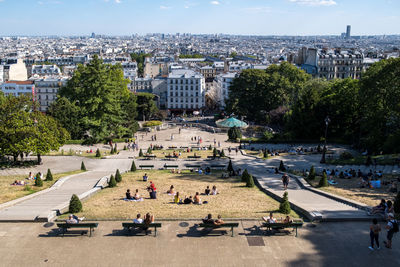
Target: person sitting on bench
pixel 208 219
pixel 188 200
pixel 138 219
pixel 145 177
pixel 207 191
pixel 74 219
pixel 197 199
pixel 219 220
pixel 128 194
pixel 287 220
pixel 148 219
pixel 269 219
pixel 378 209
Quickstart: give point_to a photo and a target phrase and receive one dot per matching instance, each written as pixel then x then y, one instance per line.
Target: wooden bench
pixel 171 157
pixel 225 225
pixel 146 166
pixel 193 166
pixel 172 147
pixel 141 226
pixel 293 225
pixel 66 226
pixel 170 166
pixel 194 157
pixel 150 157
pixel 217 166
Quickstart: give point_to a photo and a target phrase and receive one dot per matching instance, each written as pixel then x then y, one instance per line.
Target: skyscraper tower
pixel 348 32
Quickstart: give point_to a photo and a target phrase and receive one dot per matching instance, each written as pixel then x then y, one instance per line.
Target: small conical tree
pixel 215 152
pixel 98 153
pixel 284 207
pixel 83 167
pixel 230 166
pixel 38 181
pixel 49 176
pixel 396 204
pixel 222 153
pixel 210 147
pixel 311 175
pixel 282 166
pixel 265 154
pixel 140 153
pixel 133 166
pixel 149 150
pixel 118 176
pixel 112 182
pixel 115 150
pixel 324 180
pixel 112 151
pixel 250 181
pixel 75 205
pixel 245 176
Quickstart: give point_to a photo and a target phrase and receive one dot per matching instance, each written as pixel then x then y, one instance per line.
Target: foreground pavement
pixel 181 244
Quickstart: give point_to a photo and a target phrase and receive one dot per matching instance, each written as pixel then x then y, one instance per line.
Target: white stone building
pixel 44 70
pixel 221 86
pixel 186 90
pixel 46 90
pixel 17 88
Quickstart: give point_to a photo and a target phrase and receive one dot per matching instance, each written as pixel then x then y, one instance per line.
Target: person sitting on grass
pixel 197 199
pixel 30 177
pixel 177 199
pixel 128 194
pixel 188 200
pixel 219 220
pixel 138 219
pixel 208 219
pixel 137 196
pixel 269 219
pixel 207 191
pixel 171 191
pixel 16 182
pixel 148 219
pixel 214 191
pixel 145 177
pixel 378 209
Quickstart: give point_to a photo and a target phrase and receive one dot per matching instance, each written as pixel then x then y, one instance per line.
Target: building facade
pixel 17 88
pixel 46 90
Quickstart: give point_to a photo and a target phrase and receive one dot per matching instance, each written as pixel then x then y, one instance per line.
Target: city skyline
pixel 255 17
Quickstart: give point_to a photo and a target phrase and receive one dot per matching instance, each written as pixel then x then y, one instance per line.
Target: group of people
pixel 192 199
pixel 135 197
pixel 384 208
pixel 272 219
pixel 209 220
pixel 392 227
pixel 30 177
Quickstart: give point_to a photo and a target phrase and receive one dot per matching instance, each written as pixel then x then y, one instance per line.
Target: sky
pixel 245 17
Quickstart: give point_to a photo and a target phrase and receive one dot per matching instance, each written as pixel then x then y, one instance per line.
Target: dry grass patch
pixel 10 192
pixel 350 188
pixel 234 200
pixel 201 153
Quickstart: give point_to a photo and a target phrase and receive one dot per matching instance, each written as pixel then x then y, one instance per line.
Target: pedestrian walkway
pixel 312 202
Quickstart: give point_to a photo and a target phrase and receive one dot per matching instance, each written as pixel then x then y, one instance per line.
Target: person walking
pixel 374 228
pixel 392 227
pixel 285 181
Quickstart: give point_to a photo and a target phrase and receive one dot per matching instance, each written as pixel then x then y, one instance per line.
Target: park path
pixel 45 203
pixel 312 202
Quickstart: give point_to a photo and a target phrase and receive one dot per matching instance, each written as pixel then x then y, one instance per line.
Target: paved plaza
pixel 182 244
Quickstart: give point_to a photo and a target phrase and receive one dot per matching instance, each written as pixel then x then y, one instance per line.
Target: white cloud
pixel 215 3
pixel 165 7
pixel 315 2
pixel 118 1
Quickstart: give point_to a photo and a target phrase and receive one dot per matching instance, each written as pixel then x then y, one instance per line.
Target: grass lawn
pixel 350 188
pixel 80 153
pixel 389 159
pixel 234 201
pixel 10 192
pixel 202 153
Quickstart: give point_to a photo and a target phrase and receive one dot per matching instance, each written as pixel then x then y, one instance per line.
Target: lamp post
pixel 327 121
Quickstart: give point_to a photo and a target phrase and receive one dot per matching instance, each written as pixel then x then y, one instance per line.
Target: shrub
pixel 118 176
pixel 222 153
pixel 152 123
pixel 324 180
pixel 234 133
pixel 75 205
pixel 133 166
pixel 215 152
pixel 112 151
pixel 83 167
pixel 49 176
pixel 284 207
pixel 346 155
pixel 149 150
pixel 112 182
pixel 265 154
pixel 98 153
pixel 250 181
pixel 268 135
pixel 140 153
pixel 125 148
pixel 230 166
pixel 245 176
pixel 282 166
pixel 311 175
pixel 210 147
pixel 396 204
pixel 38 181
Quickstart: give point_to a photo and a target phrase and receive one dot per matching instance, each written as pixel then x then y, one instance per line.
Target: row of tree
pixel 362 112
pixel 96 103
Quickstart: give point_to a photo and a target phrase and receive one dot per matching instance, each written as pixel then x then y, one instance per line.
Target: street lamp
pixel 327 121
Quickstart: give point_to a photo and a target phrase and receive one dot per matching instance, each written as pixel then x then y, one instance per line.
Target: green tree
pixel 83 167
pixel 140 153
pixel 149 151
pixel 68 115
pixel 222 153
pixel 234 133
pixel 118 176
pixel 284 207
pixel 324 180
pixel 49 176
pixel 75 205
pixel 98 153
pixel 250 181
pixel 230 167
pixel 245 176
pixel 140 58
pixel 38 181
pixel 112 182
pixel 146 106
pixel 311 174
pixel 215 152
pixel 133 166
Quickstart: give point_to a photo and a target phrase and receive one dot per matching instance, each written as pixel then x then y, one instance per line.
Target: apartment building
pixel 46 90
pixel 17 88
